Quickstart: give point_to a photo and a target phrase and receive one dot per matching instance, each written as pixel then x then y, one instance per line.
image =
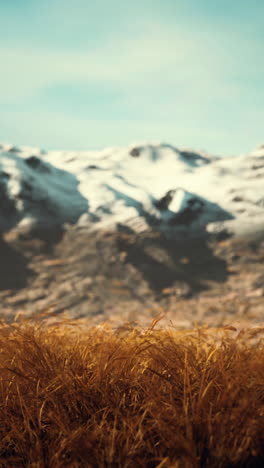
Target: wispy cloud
pixel 160 75
pixel 158 57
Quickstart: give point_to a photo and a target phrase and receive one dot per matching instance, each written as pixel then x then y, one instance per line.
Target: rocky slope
pixel 133 277
pixel 126 234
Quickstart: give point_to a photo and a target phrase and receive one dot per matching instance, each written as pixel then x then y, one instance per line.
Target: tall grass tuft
pixel 74 396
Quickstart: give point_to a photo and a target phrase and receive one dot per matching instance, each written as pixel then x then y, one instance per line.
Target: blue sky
pixel 76 74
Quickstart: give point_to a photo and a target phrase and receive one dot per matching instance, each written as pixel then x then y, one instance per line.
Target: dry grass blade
pixel 73 396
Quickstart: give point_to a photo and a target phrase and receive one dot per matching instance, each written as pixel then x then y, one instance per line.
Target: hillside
pixel 123 234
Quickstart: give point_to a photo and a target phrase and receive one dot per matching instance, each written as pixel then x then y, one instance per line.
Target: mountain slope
pixel 135 188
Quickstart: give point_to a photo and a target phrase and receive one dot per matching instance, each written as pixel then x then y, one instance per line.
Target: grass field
pixel 74 396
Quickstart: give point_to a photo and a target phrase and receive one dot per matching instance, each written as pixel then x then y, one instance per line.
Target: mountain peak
pixel 165 187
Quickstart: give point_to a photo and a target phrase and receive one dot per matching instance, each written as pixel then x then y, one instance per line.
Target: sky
pixel 77 74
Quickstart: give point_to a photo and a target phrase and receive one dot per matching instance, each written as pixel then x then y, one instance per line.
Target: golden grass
pixel 71 396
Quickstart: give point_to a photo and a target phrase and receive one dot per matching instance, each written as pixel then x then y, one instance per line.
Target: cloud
pixel 156 58
pixel 167 80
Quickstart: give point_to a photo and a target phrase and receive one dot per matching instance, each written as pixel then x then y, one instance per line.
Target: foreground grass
pixel 71 396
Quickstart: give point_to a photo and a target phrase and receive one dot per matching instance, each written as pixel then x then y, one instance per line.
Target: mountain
pixel 177 191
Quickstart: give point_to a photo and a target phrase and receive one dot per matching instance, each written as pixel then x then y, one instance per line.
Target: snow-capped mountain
pixel 139 187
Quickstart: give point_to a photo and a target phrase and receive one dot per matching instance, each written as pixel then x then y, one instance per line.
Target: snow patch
pixel 146 185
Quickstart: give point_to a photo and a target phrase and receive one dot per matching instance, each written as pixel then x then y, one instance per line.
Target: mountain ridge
pixel 172 190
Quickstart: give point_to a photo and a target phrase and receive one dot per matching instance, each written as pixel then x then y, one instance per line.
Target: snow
pixel 138 187
pixel 38 192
